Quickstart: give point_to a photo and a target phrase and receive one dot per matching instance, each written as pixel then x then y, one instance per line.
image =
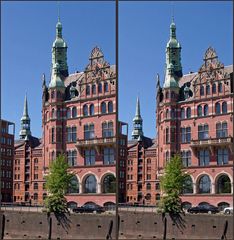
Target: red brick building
pixel 7 149
pixel 142 183
pixel 79 120
pixel 29 185
pixel 195 119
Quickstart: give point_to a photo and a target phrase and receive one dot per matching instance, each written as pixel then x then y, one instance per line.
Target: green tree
pixel 172 183
pixel 58 181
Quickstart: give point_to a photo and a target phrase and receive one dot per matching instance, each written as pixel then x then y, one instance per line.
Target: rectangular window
pixel 107 129
pixel 89 155
pixel 89 132
pixel 186 158
pixel 109 157
pixel 35 176
pixel 167 135
pixel 203 132
pixel 204 157
pixel 222 156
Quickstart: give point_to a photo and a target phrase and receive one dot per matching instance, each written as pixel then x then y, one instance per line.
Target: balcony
pixel 212 142
pixel 95 141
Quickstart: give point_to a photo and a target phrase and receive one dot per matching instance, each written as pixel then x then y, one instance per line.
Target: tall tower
pixel 137 122
pixel 173 52
pixel 53 101
pixel 25 121
pixel 59 51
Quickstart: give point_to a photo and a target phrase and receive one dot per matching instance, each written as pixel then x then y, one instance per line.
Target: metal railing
pixel 211 141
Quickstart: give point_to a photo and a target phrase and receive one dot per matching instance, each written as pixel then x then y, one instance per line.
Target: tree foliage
pixel 58 181
pixel 172 183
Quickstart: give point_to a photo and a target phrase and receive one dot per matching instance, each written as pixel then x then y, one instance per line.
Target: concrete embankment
pixel 132 225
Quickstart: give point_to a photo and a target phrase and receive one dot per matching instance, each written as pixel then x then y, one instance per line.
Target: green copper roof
pixel 170 81
pixel 138 111
pixel 56 81
pixel 137 122
pixel 25 111
pixel 25 121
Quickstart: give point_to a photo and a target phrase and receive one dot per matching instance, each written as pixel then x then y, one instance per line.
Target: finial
pixel 157 80
pixel 58 11
pixel 172 10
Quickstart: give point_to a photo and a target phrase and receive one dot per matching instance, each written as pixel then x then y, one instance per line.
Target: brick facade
pixel 7 156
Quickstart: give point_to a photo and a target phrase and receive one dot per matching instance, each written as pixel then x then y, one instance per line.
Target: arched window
pixel 220 87
pixel 85 110
pixel 213 88
pixel 68 113
pixel 188 113
pixel 44 196
pixel 182 113
pixel 53 114
pixel 223 205
pixel 53 135
pixel 204 184
pixel 158 197
pixel 148 186
pixel 172 113
pixel 223 184
pixel 52 94
pixel 90 185
pixel 202 90
pixel 186 205
pixel 172 95
pixel 93 89
pixel 206 110
pixel 167 156
pixel 217 108
pixel 87 90
pixel 224 107
pixel 148 196
pixel 103 107
pixel 167 95
pixel 58 114
pixel 99 88
pixel 74 185
pixel 35 186
pixel 109 184
pixel 105 87
pixel 91 110
pixel 167 114
pixel 199 111
pixel 74 112
pixel 157 186
pixel 207 89
pixel 187 185
pixel 110 107
pixel 35 196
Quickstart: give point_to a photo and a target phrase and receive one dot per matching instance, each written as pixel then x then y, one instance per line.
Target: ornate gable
pixel 212 68
pixel 98 68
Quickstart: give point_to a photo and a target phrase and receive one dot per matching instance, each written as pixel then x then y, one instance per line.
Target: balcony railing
pixel 211 141
pixel 95 141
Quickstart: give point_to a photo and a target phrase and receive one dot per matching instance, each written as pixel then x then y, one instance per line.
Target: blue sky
pixel 28 31
pixel 143 34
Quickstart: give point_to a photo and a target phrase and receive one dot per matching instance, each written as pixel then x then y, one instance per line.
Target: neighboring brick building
pixel 195 119
pixel 28 166
pixel 7 157
pixel 79 119
pixel 141 165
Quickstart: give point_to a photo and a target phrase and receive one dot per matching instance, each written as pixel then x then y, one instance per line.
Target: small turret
pixel 137 122
pixel 56 81
pixel 25 121
pixel 170 81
